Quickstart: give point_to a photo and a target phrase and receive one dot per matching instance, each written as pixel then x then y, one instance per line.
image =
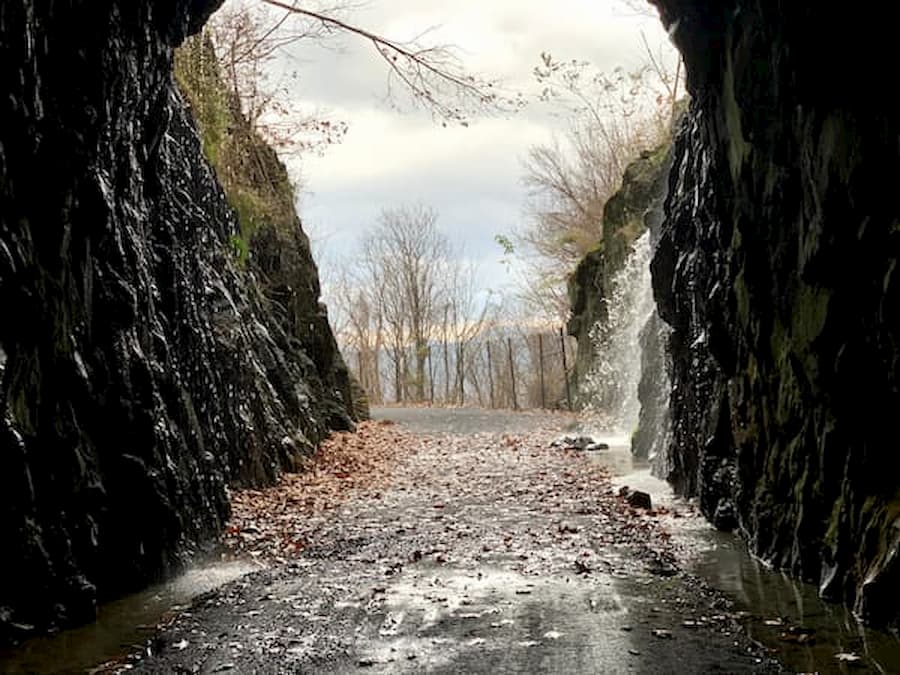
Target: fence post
pixel 512 372
pixel 541 362
pixel 562 347
pixel 430 377
pixel 462 375
pixel 490 373
pixel 446 361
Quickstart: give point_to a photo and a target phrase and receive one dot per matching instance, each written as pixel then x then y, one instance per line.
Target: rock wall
pixel 778 274
pixel 586 290
pixel 143 366
pixel 270 243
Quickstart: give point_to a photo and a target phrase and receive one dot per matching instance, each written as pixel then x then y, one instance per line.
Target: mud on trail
pixel 481 549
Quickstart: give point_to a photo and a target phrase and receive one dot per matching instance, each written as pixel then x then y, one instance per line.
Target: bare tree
pixel 413 305
pixel 358 326
pixel 612 118
pixel 405 255
pixel 248 37
pixel 472 313
pixel 382 277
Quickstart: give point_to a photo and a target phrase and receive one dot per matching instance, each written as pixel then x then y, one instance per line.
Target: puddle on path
pixel 771 596
pixel 487 619
pixel 121 625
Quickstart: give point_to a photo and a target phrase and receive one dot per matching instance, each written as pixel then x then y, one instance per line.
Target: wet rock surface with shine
pixel 777 271
pixel 140 369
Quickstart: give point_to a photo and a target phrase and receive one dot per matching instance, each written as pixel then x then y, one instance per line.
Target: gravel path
pixel 469 545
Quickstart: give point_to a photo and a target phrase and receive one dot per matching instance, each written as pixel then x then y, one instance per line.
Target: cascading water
pixel 610 389
pixel 651 440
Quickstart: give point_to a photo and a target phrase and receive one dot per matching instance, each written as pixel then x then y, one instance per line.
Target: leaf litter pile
pixel 274 523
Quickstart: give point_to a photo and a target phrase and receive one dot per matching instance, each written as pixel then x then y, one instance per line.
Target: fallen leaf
pixel 846 657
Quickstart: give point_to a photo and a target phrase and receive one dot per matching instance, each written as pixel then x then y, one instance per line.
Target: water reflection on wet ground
pixel 121 625
pixel 783 609
pixel 489 551
pixel 779 608
pixel 774 602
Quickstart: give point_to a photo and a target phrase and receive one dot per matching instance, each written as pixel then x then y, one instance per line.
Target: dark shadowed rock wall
pixel 144 367
pixel 778 273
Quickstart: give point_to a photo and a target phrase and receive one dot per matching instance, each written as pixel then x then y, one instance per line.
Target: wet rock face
pixel 587 292
pixel 142 371
pixel 650 440
pixel 778 274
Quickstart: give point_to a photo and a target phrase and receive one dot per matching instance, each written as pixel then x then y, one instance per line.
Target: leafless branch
pixel 433 75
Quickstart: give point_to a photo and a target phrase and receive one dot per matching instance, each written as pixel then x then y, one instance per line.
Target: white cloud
pixel 384 146
pixel 471 176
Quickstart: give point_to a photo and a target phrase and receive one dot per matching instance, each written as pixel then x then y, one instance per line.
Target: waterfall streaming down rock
pixel 610 388
pixel 650 442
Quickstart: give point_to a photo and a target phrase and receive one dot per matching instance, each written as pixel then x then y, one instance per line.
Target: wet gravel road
pixel 484 550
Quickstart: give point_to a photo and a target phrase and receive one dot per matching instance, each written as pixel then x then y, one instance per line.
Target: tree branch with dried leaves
pixel 433 75
pixel 612 118
pixel 247 38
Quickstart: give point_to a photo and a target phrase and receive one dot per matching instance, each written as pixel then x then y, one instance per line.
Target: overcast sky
pixel 471 176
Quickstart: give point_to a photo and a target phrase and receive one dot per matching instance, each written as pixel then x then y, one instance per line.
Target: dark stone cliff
pixel 144 366
pixel 777 271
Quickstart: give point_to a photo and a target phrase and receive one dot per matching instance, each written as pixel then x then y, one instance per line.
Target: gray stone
pixel 639 499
